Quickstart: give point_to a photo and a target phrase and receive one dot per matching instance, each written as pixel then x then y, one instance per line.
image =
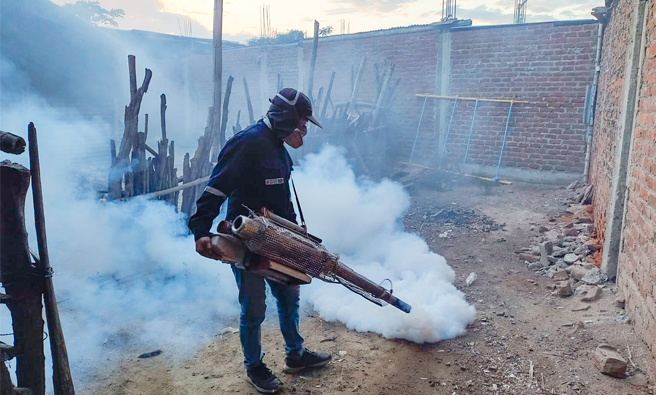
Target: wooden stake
pixel 224 121
pixel 313 61
pixel 356 86
pixel 63 381
pixel 327 99
pixel 251 119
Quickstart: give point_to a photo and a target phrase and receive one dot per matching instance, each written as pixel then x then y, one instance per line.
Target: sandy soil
pixel 524 340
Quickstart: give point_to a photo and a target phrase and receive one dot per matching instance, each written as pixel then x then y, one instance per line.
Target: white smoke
pixel 361 220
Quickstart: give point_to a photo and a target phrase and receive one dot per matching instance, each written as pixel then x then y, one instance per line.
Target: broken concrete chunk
pixel 564 288
pixel 589 293
pixel 546 248
pixel 571 258
pixel 609 361
pixel 578 272
pixel 581 307
pixel 592 277
pixel 529 257
pixel 592 245
pixel 560 275
pixel 582 250
pixel 571 232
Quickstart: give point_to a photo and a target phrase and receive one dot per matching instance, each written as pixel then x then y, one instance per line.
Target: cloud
pixel 373 6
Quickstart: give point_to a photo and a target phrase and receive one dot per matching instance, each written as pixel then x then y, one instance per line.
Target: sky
pixel 241 17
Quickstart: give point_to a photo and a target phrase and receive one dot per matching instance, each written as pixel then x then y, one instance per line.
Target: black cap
pixel 298 100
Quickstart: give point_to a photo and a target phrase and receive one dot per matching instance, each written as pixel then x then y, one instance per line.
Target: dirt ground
pixel 524 340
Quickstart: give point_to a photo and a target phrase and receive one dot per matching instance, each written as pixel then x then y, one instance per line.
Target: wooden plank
pixel 356 85
pixel 327 99
pixel 224 120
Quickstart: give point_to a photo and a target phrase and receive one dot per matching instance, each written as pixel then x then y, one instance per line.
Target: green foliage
pixel 92 12
pixel 291 36
pixel 326 31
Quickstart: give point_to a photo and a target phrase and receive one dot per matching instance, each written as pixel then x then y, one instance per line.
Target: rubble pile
pixel 456 217
pixel 567 251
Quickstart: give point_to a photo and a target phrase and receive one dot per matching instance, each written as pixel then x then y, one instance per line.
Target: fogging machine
pixel 282 251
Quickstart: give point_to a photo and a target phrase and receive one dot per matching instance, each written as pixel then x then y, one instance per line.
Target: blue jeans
pixel 252 294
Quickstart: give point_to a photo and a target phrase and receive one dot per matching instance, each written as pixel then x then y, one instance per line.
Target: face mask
pixel 295 139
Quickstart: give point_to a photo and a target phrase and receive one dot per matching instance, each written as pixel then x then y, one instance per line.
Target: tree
pixel 326 31
pixel 291 36
pixel 92 12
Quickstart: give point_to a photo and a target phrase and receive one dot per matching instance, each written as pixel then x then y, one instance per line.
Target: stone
pixel 571 258
pixel 609 361
pixel 535 265
pixel 571 232
pixel 578 272
pixel 592 245
pixel 530 258
pixel 559 252
pixel 552 260
pixel 564 288
pixel 620 303
pixel 561 265
pixel 560 275
pixel 543 229
pixel 575 185
pixel 592 277
pixel 569 225
pixel 589 293
pixel 582 250
pixel 583 220
pixel 581 307
pixel 546 248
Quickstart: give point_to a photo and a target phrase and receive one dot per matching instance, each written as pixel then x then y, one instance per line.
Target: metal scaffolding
pixel 520 11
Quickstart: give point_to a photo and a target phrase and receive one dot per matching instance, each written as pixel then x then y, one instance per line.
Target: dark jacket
pixel 253 170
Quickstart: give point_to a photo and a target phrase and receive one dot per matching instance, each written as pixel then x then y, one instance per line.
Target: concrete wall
pixel 547 64
pixel 625 201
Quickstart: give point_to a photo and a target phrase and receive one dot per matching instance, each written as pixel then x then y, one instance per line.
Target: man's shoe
pixel 309 359
pixel 263 379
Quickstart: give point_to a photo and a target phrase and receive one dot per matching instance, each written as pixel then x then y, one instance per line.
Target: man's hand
pixel 205 248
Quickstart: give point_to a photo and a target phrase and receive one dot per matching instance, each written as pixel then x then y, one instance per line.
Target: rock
pixel 535 265
pixel 535 250
pixel 561 265
pixel 571 258
pixel 559 252
pixel 586 196
pixel 592 245
pixel 609 361
pixel 528 257
pixel 546 248
pixel 588 293
pixel 553 260
pixel 578 272
pixel 583 220
pixel 620 302
pixel 574 185
pixel 582 250
pixel 560 275
pixel 543 229
pixel 564 288
pixel 471 278
pixel 571 232
pixel 592 277
pixel 581 307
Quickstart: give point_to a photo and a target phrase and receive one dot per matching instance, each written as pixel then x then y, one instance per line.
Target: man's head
pixel 288 114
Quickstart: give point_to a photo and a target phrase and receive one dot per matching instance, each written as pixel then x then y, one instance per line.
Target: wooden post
pixel 327 99
pixel 132 110
pixel 22 283
pixel 115 178
pixel 217 40
pixel 161 166
pixel 383 93
pixel 63 381
pixel 186 177
pixel 251 118
pixel 356 86
pixel 313 61
pixel 224 120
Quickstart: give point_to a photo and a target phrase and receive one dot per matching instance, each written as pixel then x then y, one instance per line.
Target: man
pixel 253 171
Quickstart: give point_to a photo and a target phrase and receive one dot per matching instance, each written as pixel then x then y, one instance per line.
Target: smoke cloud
pixel 361 220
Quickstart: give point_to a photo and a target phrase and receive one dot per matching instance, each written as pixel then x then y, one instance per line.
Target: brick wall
pixel 636 276
pixel 609 97
pixel 548 64
pixel 637 265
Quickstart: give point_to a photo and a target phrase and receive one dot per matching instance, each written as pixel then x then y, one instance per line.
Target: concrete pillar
pixel 630 95
pixel 442 85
